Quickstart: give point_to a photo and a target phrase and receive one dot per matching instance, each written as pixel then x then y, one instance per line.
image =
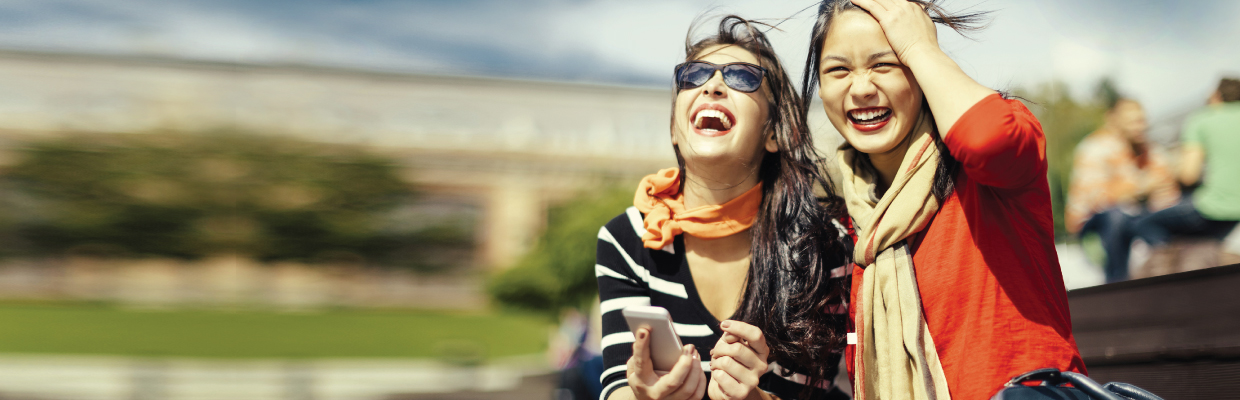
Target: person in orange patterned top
pixel 1118 176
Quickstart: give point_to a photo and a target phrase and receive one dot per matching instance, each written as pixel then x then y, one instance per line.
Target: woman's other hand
pixel 737 362
pixel 685 381
pixel 907 25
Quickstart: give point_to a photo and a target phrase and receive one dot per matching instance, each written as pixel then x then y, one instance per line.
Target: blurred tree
pixel 1065 121
pixel 559 272
pixel 190 196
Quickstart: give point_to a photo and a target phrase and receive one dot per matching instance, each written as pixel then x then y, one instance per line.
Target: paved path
pixel 119 378
pixel 44 377
pixel 1077 271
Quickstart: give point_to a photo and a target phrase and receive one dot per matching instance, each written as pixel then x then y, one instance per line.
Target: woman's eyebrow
pixel 842 59
pixel 881 54
pixel 845 60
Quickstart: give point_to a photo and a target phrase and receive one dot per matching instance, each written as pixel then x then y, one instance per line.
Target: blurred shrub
pixel 559 272
pixel 1066 121
pixel 189 196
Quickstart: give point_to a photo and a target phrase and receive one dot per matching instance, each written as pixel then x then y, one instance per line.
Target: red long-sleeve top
pixel 991 288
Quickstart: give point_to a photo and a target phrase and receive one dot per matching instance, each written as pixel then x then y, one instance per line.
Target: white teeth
pixel 868 115
pixel 723 118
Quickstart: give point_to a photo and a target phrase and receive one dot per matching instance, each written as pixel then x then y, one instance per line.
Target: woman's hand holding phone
pixel 737 362
pixel 685 381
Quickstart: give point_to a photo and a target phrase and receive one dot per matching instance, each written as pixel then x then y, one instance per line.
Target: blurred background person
pixel 1118 176
pixel 1211 143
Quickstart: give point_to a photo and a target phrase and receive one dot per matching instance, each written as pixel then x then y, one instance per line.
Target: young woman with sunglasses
pixel 733 242
pixel 959 288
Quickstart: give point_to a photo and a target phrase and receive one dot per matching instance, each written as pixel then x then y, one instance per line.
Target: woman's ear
pixel 772 145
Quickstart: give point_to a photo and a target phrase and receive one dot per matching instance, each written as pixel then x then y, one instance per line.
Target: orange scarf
pixel 658 196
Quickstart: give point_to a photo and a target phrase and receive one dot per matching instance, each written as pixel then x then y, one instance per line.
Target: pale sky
pixel 1166 54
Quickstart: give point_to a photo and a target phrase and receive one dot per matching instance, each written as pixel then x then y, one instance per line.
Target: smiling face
pixel 870 97
pixel 716 126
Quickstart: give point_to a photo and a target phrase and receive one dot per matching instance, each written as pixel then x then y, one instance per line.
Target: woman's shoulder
pixel 994 111
pixel 626 228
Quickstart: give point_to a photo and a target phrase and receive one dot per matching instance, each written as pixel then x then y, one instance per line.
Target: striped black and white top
pixel 630 274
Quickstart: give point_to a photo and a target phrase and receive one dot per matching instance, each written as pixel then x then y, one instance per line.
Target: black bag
pixel 1083 388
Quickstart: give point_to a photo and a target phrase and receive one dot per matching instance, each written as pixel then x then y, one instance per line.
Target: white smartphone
pixel 665 344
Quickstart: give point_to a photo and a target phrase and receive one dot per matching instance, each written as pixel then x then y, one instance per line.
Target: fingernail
pixel 725 323
pixel 641 335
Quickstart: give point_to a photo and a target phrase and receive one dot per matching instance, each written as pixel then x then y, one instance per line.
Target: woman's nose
pixel 862 87
pixel 715 86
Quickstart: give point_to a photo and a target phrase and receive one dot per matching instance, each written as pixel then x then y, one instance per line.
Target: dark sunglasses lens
pixel 693 74
pixel 742 77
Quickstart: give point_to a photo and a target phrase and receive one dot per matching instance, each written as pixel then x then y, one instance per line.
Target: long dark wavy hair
pixel 795 243
pixel 963 23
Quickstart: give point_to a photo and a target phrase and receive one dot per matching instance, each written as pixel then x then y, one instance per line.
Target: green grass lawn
pixel 102 329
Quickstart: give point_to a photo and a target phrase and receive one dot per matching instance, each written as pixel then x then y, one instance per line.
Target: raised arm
pixel 998 142
pixel 949 91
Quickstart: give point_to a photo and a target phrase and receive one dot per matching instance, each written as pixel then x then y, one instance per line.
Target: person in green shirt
pixel 1210 150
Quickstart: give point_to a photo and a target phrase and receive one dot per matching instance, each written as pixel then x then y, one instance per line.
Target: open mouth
pixel 712 120
pixel 871 118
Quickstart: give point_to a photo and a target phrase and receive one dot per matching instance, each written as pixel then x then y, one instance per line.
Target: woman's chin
pixel 873 144
pixel 714 159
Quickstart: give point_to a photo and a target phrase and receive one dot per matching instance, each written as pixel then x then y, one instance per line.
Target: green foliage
pixel 1065 121
pixel 190 196
pixel 559 272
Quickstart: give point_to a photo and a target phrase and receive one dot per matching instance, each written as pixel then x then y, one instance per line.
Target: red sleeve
pixel 850 350
pixel 999 143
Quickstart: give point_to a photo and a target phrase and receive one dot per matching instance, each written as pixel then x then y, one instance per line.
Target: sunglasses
pixel 740 76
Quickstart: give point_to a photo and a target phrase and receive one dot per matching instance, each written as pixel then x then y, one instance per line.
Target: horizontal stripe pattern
pixel 656 283
pixel 612 387
pixel 617 338
pixel 622 302
pixel 619 369
pixel 693 330
pixel 631 275
pixel 600 271
pixel 636 219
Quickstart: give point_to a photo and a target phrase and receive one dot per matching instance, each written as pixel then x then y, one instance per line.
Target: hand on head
pixel 685 381
pixel 737 361
pixel 907 25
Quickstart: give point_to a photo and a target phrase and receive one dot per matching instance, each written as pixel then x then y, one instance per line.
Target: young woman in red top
pixel 945 181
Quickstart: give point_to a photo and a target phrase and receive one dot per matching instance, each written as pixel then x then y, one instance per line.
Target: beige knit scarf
pixel 896 354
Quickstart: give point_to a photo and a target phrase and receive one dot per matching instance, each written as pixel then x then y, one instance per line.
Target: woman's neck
pixel 888 164
pixel 706 187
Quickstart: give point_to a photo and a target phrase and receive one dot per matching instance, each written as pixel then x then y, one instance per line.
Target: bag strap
pixel 1130 391
pixel 1055 377
pixel 1048 376
pixel 1093 389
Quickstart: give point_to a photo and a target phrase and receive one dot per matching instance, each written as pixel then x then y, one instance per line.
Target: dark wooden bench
pixel 1176 335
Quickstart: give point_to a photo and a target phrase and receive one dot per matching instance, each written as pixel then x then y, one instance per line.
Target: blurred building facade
pixel 496 151
pixel 506 147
